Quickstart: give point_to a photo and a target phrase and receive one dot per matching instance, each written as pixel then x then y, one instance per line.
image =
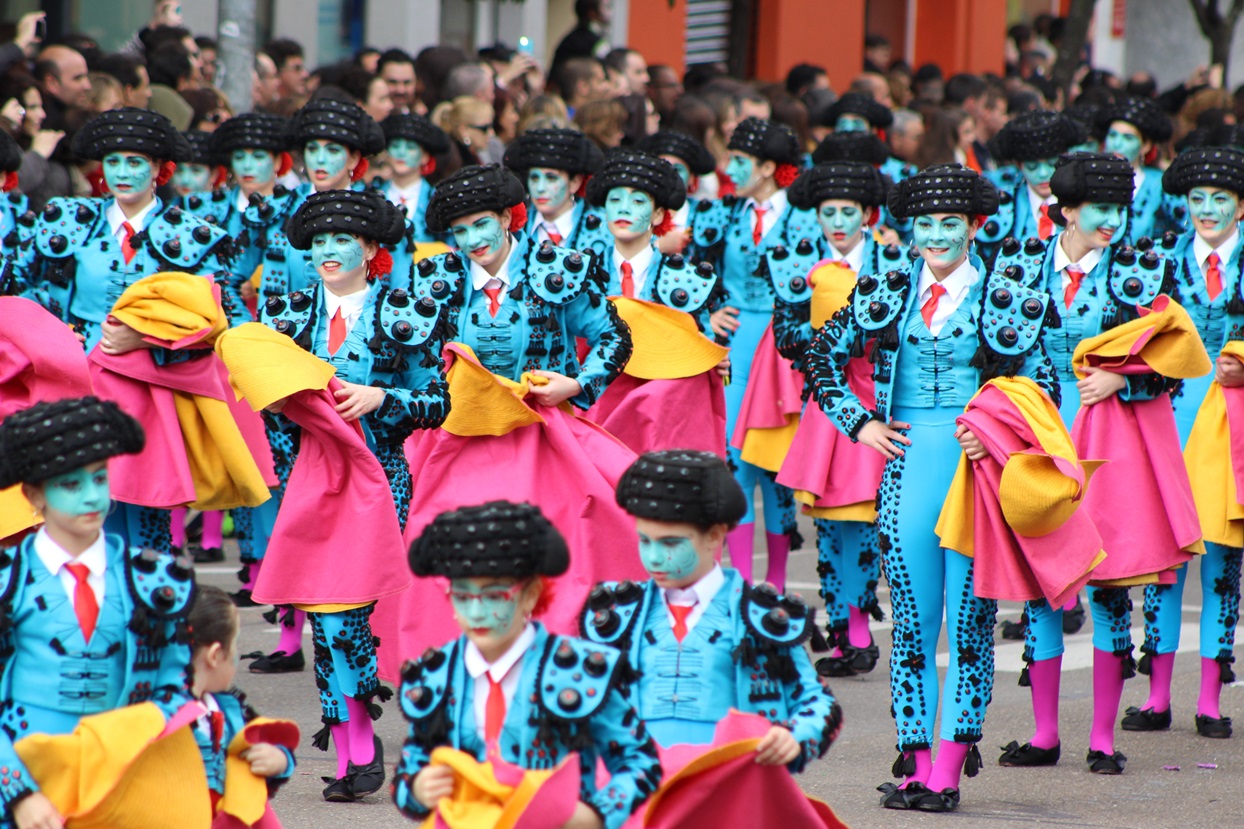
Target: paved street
pixel 1147 796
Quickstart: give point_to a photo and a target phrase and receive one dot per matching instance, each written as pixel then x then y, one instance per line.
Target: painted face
pixel 82 492
pixel 1124 141
pixel 1213 211
pixel 129 174
pixel 192 178
pixel 486 608
pixel 681 168
pixel 668 558
pixel 326 163
pixel 336 255
pixel 406 155
pixel 1100 222
pixel 1037 174
pixel 628 212
pixel 549 189
pixel 942 238
pixel 741 169
pixel 253 168
pixel 851 123
pixel 480 236
pixel 841 221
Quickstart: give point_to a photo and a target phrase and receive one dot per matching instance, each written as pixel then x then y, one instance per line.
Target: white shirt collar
pixel 956 285
pixel 1036 201
pixel 1201 249
pixel 639 266
pixel 1138 180
pixel 1087 263
pixel 351 305
pixel 854 258
pixel 54 556
pixel 774 205
pixel 564 224
pixel 244 201
pixel 481 277
pixel 700 595
pixel 407 196
pixel 477 666
pixel 116 217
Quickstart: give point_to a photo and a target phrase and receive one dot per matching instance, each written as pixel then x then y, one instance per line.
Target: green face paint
pixel 1123 143
pixel 741 169
pixel 326 163
pixel 489 610
pixel 941 238
pixel 192 178
pixel 406 152
pixel 851 123
pixel 336 254
pixel 128 173
pixel 628 212
pixel 1212 210
pixel 80 492
pixel 481 240
pixel 549 190
pixel 841 221
pixel 681 168
pixel 1100 222
pixel 668 558
pixel 1037 174
pixel 253 167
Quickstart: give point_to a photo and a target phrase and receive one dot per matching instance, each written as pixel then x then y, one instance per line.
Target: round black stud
pixel 1033 246
pixel 27 219
pixel 274 306
pixel 676 261
pixel 878 311
pixel 164 598
pixel 1010 246
pixel 627 592
pixel 776 622
pixel 453 262
pixel 867 285
pixel 1032 308
pixel 679 297
pixel 1126 256
pixel 172 248
pixel 574 262
pixel 891 252
pixel 1001 298
pixel 600 597
pixel 595 665
pixel 1008 336
pixel 181 568
pixel 546 254
pixel 440 288
pixel 398 298
pixel 779 253
pixel 426 267
pixel 606 622
pixel 991 228
pixel 1132 287
pixel 1144 243
pixel 202 234
pixel 147 561
pixel 58 244
pixel 710 233
pixel 1015 273
pixel 1150 260
pixel 765 595
pixel 299 301
pixel 705 270
pixel 555 283
pixel 426 307
pixel 173 215
pixel 592 222
pixel 798 285
pixel 403 331
pixel 569 700
pixel 565 657
pixel 52 212
pixel 804 248
pixel 83 214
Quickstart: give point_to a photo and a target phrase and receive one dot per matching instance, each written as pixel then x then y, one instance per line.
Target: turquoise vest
pixel 934 372
pixel 494 338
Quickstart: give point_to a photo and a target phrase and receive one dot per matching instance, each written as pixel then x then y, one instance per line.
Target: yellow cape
pixel 667 344
pixel 1211 466
pixel 265 367
pixel 246 795
pixel 485 404
pixel 1165 338
pixel 479 800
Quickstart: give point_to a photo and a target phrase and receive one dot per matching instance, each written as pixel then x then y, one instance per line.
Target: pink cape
pixel 649 415
pixel 824 461
pixel 729 793
pixel 40 358
pixel 1007 565
pixel 159 476
pixel 567 466
pixel 774 391
pixel 337 539
pixel 1141 500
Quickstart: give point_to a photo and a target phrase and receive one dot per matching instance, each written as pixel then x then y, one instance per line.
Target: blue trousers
pixel 345 659
pixel 849 564
pixel 927 581
pixel 1111 609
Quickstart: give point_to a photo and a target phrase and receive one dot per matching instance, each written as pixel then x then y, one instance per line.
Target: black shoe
pixel 863 660
pixel 243 598
pixel 1215 729
pixel 1015 755
pixel 947 800
pixel 1146 719
pixel 1073 619
pixel 368 779
pixel 892 797
pixel 279 662
pixel 1102 763
pixel 834 666
pixel 1015 630
pixel 211 555
pixel 339 790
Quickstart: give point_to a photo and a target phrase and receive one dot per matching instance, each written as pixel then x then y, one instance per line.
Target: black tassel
pixel 1128 664
pixel 1024 681
pixel 1224 669
pixel 904 765
pixel 818 644
pixel 972 763
pixel 874 610
pixel 320 739
pixel 244 239
pixel 270 615
pixel 1145 666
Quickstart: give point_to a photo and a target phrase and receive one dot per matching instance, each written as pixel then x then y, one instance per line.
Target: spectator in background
pixel 291 66
pixel 84 45
pixel 171 73
pixel 133 77
pixel 906 134
pixel 631 67
pixel 754 105
pixel 543 112
pixel 156 40
pixel 369 91
pixel 986 103
pixel 581 81
pixel 209 60
pixel 602 121
pixel 876 86
pixel 473 79
pixel 210 108
pixel 587 38
pixel 927 85
pixel 432 67
pixel 22 115
pixel 398 71
pixel 948 133
pixel 265 84
pixel 505 117
pixel 25 39
pixel 369 58
pixel 105 94
pixel 62 76
pixel 664 88
pixel 789 110
pixel 876 54
pixel 804 77
pixel 468 123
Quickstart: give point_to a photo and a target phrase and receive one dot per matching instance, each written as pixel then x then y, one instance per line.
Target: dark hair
pixel 789 110
pixel 281 50
pixel 46 68
pixel 205 42
pixel 213 618
pixel 583 9
pixel 693 116
pixel 364 52
pixel 570 72
pixel 941 136
pixel 169 64
pixel 801 76
pixel 699 75
pixel 963 86
pixel 84 45
pixel 616 60
pixel 1142 88
pixel 392 56
pixel 432 67
pixel 357 81
pixel 204 102
pixel 873 41
pixel 153 39
pixel 122 67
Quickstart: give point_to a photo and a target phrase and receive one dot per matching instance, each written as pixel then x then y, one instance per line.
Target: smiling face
pixel 493 612
pixel 1096 224
pixel 1215 213
pixel 677 554
pixel 942 239
pixel 842 222
pixel 130 176
pixel 192 178
pixel 1037 174
pixel 329 164
pixel 631 214
pixel 340 259
pixel 406 156
pixel 254 169
pixel 73 504
pixel 1125 141
pixel 552 190
pixel 482 237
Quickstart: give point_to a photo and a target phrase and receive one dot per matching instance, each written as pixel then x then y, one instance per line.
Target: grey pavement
pixel 1149 795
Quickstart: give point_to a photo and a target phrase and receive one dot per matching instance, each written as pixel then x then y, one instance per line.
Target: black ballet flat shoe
pixel 210 555
pixel 368 779
pixel 243 598
pixel 863 660
pixel 1102 763
pixel 892 797
pixel 1015 630
pixel 1014 755
pixel 947 800
pixel 834 666
pixel 1146 719
pixel 1073 619
pixel 1214 728
pixel 279 662
pixel 338 790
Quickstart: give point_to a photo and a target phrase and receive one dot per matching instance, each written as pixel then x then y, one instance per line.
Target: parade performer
pixel 691 160
pixel 545 695
pixel 92 625
pixel 858 112
pixel 1207 282
pixel 1132 128
pixel 733 234
pixel 555 164
pixel 16 220
pixel 199 173
pixel 941 331
pixel 413 143
pixel 390 384
pixel 1104 288
pixel 246 757
pixel 836 480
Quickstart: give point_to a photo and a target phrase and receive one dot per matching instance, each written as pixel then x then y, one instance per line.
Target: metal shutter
pixel 708 31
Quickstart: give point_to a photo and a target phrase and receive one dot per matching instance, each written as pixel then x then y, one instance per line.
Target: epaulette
pixel 575 678
pixel 712 217
pixel 161 583
pixel 270 208
pixel 683 287
pixel 611 612
pixel 408 323
pixel 440 277
pixel 64 226
pixel 1012 317
pixel 558 275
pixel 789 269
pixel 998 226
pixel 211 207
pixel 290 315
pixel 593 232
pixel 774 618
pixel 181 239
pixel 1021 263
pixel 425 683
pixel 1136 280
pixel 879 300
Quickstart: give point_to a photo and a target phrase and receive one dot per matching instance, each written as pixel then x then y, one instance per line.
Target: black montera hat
pixel 944 188
pixel 630 168
pixel 682 486
pixel 498 539
pixel 50 439
pixel 363 213
pixel 471 190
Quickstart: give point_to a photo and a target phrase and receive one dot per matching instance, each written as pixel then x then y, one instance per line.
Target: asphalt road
pixel 1173 779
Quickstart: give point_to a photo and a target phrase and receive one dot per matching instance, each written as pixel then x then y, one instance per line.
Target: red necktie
pixel 758 231
pixel 680 612
pixel 1045 225
pixel 1213 275
pixel 127 250
pixel 494 300
pixel 494 712
pixel 628 280
pixel 84 602
pixel 554 236
pixel 218 729
pixel 1076 275
pixel 336 332
pixel 930 306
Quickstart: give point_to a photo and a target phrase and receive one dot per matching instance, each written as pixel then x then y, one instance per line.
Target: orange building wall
pixel 828 33
pixel 961 35
pixel 659 32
